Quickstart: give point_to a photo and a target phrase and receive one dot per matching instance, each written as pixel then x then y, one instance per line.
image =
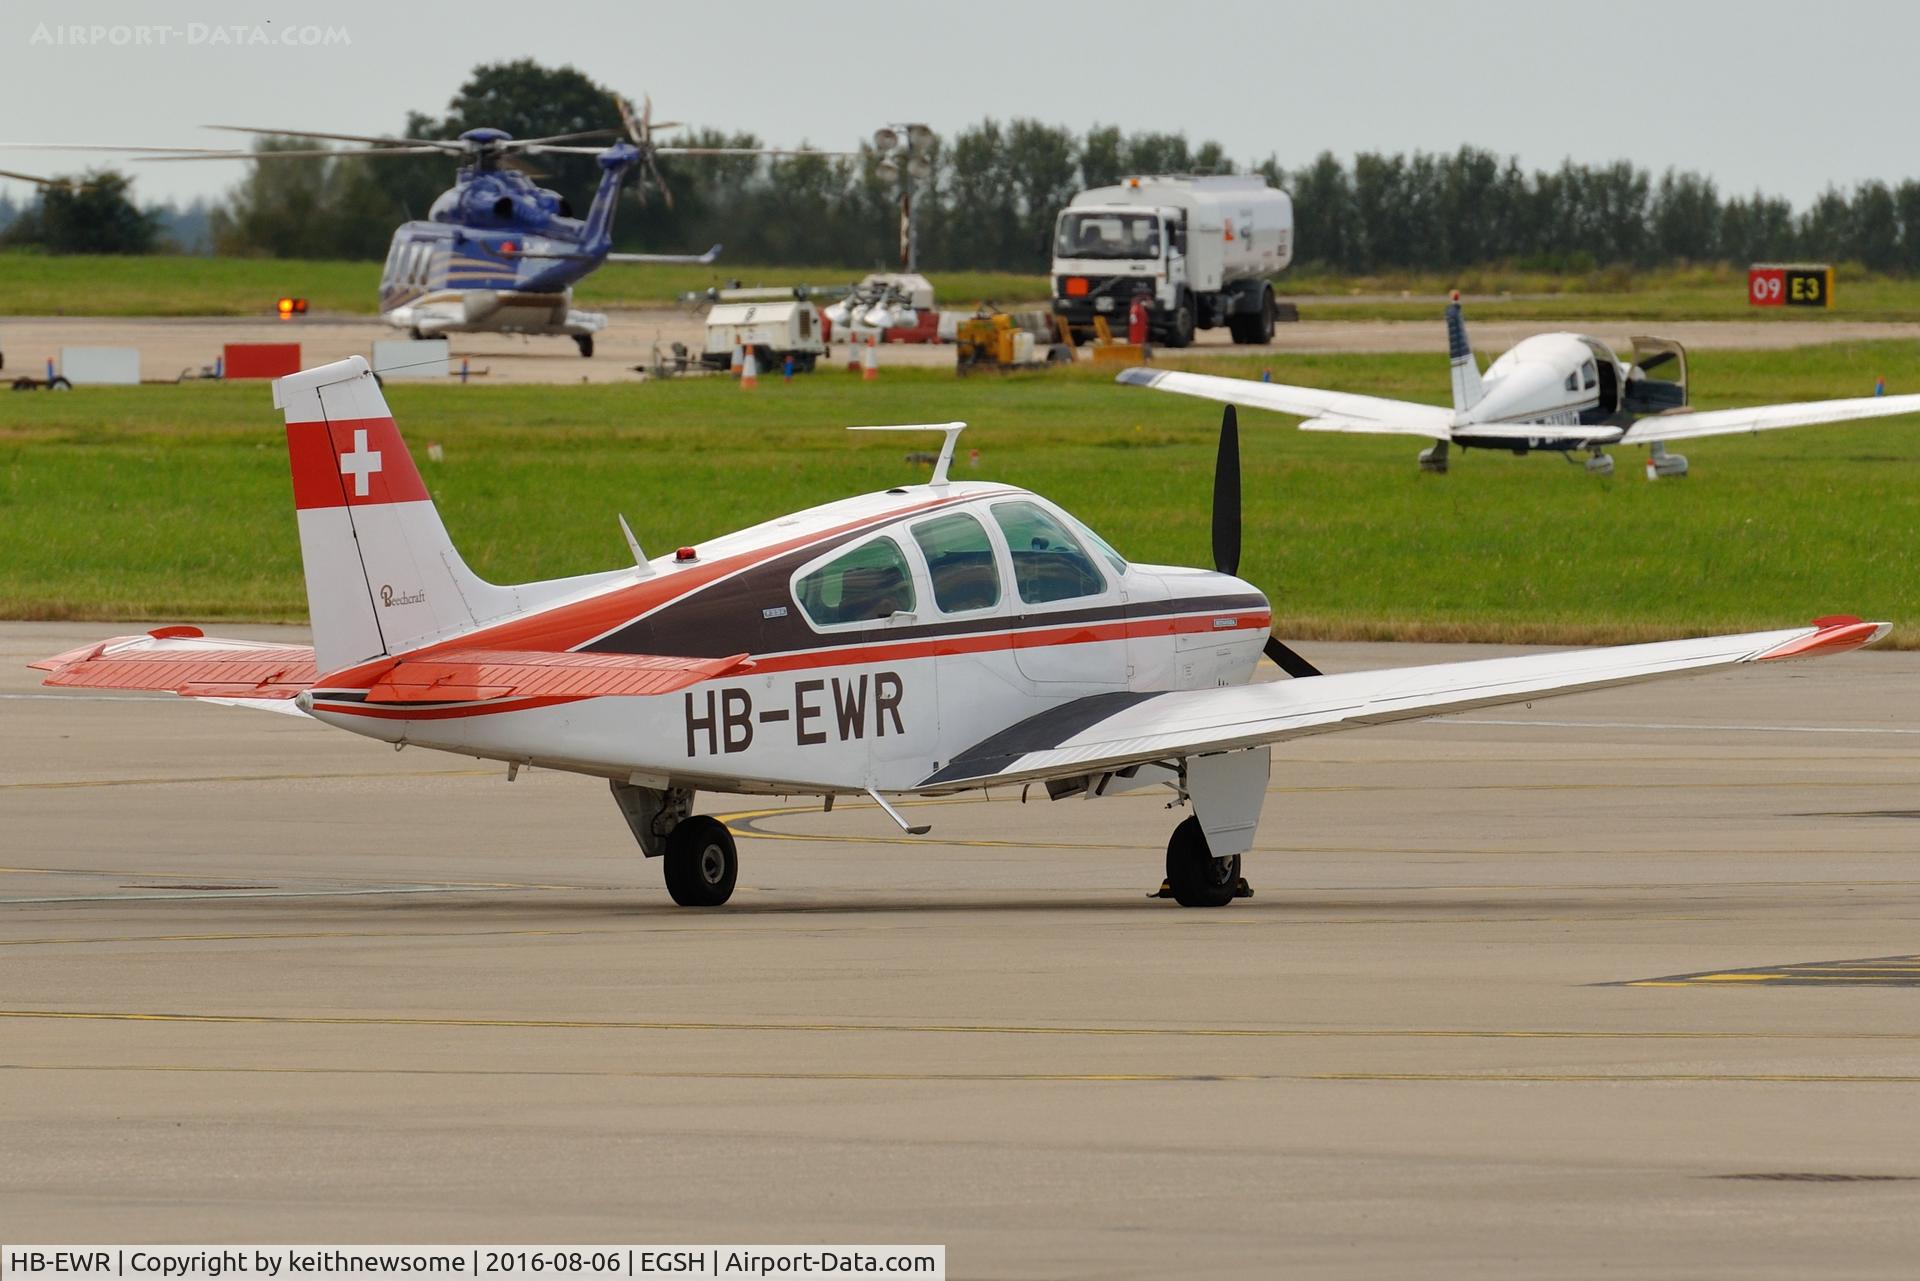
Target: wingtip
pixel 1139 376
pixel 1833 634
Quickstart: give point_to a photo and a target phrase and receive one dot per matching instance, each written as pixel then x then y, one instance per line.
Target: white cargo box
pixel 100 366
pixel 411 358
pixel 778 326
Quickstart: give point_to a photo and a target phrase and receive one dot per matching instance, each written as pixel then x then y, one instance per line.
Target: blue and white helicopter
pixel 497 253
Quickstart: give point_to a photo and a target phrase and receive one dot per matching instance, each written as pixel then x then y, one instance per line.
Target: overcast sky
pixel 1782 97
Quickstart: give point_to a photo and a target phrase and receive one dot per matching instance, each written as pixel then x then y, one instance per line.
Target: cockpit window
pixel 1048 563
pixel 1573 382
pixel 1589 376
pixel 869 583
pixel 960 561
pixel 1102 546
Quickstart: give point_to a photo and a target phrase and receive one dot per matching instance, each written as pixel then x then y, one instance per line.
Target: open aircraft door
pixel 1657 382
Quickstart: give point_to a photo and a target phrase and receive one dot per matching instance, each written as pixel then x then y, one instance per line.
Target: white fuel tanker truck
pixel 1201 250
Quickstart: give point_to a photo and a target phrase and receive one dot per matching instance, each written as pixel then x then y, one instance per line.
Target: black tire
pixel 1180 327
pixel 585 343
pixel 1197 878
pixel 1257 329
pixel 701 863
pixel 23 384
pixel 59 384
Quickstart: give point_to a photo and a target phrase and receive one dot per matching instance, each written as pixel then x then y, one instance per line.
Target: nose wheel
pixel 1195 878
pixel 701 861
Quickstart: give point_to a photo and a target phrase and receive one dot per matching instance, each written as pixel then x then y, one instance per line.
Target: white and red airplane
pixel 934 638
pixel 1560 393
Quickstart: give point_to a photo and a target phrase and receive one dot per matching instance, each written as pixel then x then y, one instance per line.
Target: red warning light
pixel 508 247
pixel 685 554
pixel 291 307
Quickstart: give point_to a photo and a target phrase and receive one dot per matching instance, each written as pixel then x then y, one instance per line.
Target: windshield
pixel 1107 235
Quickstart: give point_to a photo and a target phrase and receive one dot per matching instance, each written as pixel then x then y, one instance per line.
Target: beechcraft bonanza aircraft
pixel 1560 392
pixel 934 638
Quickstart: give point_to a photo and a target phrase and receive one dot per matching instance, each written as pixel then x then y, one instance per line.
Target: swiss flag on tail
pixel 341 441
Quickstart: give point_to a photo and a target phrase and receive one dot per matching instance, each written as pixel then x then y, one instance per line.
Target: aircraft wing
pixel 183 661
pixel 1726 422
pixel 1106 732
pixel 1327 410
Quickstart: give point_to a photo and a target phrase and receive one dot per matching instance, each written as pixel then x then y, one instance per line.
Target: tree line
pixel 992 194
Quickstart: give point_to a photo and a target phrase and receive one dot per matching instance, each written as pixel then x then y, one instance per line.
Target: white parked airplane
pixel 1559 392
pixel 931 639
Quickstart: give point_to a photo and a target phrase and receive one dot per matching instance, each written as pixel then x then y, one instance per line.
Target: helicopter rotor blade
pixel 298 154
pixel 90 146
pixel 443 144
pixel 27 177
pixel 515 143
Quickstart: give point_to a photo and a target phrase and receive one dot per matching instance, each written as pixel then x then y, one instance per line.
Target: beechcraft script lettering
pixel 834 709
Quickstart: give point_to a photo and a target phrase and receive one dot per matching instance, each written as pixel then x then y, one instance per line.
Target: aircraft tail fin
pixel 1466 371
pixel 382 574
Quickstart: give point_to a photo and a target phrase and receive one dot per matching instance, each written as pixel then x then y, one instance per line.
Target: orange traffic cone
pixel 869 363
pixel 733 366
pixel 749 372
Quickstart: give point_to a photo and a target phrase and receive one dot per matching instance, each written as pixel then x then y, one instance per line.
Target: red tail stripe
pixel 332 463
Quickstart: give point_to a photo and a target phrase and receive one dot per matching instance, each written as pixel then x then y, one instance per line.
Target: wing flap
pixel 1370 427
pixel 1114 731
pixel 476 675
pixel 1728 422
pixel 182 661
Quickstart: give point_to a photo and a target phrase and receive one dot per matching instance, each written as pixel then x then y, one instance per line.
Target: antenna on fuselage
pixel 639 557
pixel 945 460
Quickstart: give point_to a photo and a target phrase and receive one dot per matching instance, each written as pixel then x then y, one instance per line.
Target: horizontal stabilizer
pixel 1539 431
pixel 473 675
pixel 182 661
pixel 1368 427
pixel 695 259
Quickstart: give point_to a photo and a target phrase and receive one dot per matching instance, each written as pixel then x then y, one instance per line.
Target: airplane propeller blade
pixel 1226 495
pixel 1288 661
pixel 1226 532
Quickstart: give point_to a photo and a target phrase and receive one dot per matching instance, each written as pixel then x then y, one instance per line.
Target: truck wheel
pixel 1256 329
pixel 1180 329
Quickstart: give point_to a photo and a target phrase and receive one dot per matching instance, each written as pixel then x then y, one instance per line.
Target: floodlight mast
pixel 915 143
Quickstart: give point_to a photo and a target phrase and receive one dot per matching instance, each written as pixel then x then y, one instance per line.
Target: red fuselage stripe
pixel 878 652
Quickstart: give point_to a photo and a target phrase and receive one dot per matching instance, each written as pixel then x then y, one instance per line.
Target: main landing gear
pixel 1195 878
pixel 1599 463
pixel 1435 459
pixel 697 851
pixel 585 343
pixel 1665 464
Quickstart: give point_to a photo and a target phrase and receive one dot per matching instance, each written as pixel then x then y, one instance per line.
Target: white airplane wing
pixel 1326 410
pixel 1106 732
pixel 1727 422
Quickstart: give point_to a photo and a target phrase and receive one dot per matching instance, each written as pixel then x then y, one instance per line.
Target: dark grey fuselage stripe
pixel 1039 733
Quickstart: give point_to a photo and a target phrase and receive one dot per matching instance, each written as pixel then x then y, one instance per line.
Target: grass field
pixel 170 285
pixel 174 504
pixel 36 285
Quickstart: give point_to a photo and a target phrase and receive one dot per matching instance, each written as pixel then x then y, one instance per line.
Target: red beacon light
pixel 685 555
